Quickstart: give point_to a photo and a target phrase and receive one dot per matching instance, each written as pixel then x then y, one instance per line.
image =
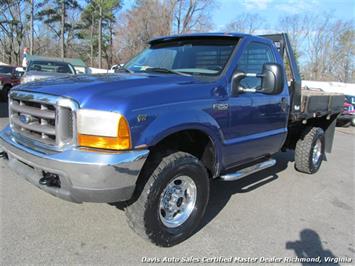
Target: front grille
pixel 41 118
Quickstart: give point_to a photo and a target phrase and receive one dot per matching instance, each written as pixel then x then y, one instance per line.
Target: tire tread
pixel 304 148
pixel 135 211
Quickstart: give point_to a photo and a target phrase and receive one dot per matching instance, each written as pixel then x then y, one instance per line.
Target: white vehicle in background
pixel 45 69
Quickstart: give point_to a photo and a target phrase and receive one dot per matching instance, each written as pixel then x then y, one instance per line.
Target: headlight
pixel 103 130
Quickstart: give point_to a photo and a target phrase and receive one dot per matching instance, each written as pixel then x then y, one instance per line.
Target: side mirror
pixel 272 80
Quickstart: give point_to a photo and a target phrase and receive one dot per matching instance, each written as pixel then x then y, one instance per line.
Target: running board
pixel 249 170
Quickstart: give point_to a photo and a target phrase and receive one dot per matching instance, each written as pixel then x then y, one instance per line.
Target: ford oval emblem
pixel 25 118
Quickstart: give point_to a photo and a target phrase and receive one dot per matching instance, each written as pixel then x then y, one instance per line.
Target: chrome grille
pixel 43 119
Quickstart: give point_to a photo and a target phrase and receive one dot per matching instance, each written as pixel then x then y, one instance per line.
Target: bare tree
pixel 140 24
pixel 324 46
pixel 298 29
pixel 150 18
pixel 191 15
pixel 246 23
pixel 100 35
pixel 340 64
pixel 31 25
pixel 12 23
pixel 328 48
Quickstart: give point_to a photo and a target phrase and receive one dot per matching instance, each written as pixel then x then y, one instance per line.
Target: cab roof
pixel 227 35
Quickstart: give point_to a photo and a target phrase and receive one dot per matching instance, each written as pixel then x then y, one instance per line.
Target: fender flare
pixel 172 122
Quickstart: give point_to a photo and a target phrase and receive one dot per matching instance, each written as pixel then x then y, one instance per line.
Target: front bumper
pixel 85 176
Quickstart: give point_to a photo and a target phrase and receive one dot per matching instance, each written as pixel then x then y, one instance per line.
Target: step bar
pixel 249 170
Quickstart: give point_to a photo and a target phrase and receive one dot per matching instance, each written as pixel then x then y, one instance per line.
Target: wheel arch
pixel 170 143
pixel 193 140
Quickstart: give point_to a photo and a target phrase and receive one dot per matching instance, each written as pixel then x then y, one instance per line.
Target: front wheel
pixel 309 152
pixel 353 121
pixel 172 202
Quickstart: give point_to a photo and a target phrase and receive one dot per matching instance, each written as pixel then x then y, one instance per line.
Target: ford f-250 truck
pixel 188 109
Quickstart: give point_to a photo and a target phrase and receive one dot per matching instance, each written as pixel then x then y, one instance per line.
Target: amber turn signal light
pixel 121 142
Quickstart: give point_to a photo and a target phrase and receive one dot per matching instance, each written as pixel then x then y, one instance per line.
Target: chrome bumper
pixel 85 176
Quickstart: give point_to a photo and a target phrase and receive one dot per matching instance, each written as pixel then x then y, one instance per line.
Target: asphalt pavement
pixel 275 214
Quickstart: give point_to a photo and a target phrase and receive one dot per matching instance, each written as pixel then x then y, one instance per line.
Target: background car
pixel 44 69
pixel 9 77
pixel 347 116
pixel 350 99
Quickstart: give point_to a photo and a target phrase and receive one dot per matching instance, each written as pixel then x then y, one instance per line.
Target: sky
pixel 227 10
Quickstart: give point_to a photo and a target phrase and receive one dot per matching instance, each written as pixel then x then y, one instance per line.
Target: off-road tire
pixel 304 150
pixel 143 214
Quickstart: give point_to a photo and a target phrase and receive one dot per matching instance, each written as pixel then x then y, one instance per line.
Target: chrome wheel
pixel 177 201
pixel 317 152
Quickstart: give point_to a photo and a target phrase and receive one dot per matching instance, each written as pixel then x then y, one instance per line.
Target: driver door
pixel 257 121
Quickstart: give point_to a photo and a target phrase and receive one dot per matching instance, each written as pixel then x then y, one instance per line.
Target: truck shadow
pixel 4 112
pixel 222 191
pixel 309 247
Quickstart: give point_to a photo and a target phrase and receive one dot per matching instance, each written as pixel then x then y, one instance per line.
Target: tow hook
pixel 50 180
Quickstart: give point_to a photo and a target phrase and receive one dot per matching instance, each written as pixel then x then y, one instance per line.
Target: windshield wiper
pixel 165 70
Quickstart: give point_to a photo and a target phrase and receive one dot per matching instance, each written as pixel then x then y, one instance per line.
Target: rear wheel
pixel 353 122
pixel 172 202
pixel 309 152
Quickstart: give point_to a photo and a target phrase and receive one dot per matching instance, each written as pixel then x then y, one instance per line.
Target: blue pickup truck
pixel 187 109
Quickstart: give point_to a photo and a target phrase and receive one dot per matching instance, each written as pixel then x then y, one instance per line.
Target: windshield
pixel 195 57
pixel 50 67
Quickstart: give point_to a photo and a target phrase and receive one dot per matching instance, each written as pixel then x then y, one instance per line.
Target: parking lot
pixel 275 213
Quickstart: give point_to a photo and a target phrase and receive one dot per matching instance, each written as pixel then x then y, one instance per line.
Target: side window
pixel 252 60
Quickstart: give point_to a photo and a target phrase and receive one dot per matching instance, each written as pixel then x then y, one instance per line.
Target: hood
pixel 109 89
